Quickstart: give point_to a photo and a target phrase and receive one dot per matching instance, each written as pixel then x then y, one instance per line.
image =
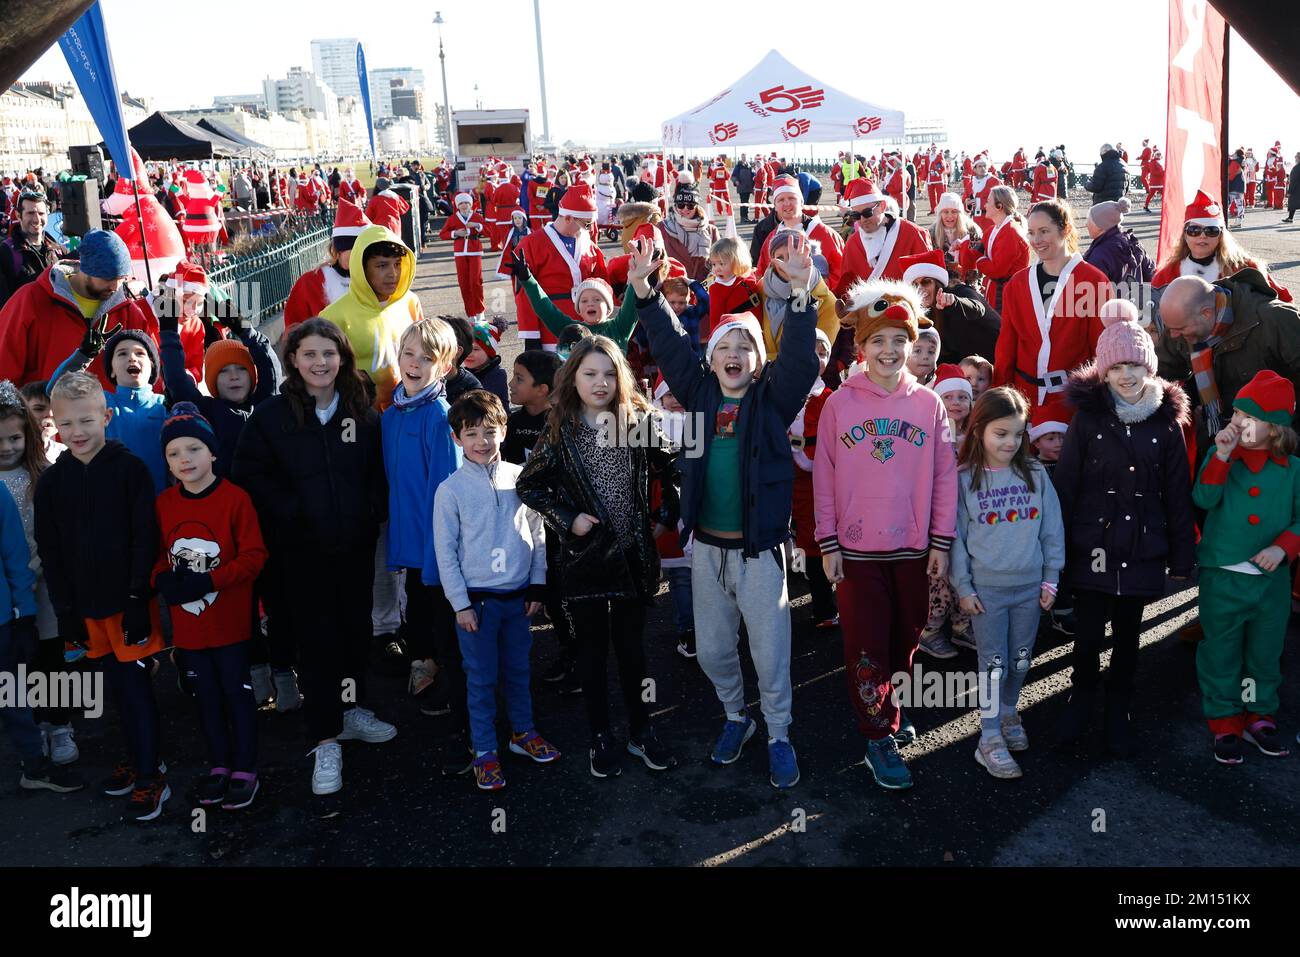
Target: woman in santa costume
pixel 203 223
pixel 1155 179
pixel 936 179
pixel 1043 185
pixel 952 227
pixel 1206 249
pixel 350 189
pixel 823 241
pixel 560 256
pixel 879 239
pixel 1003 251
pixel 606 198
pixel 1050 311
pixel 328 282
pixel 465 229
pixel 897 183
pixel 977 192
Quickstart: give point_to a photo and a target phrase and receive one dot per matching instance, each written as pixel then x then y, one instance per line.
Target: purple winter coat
pixel 1121 257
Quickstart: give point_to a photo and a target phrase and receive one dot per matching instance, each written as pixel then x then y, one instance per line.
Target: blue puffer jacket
pixel 1119 254
pixel 766 411
pixel 419 453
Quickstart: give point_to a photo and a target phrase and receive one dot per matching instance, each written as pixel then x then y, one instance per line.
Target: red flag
pixel 1198 43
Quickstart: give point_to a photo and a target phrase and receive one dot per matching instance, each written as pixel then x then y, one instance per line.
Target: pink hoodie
pixel 885 476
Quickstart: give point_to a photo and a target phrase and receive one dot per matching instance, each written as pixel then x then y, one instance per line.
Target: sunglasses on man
pixel 1195 230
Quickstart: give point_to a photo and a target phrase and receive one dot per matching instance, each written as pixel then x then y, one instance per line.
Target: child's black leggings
pixel 137 709
pixel 227 711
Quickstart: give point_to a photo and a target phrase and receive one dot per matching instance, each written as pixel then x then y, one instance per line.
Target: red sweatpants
pixel 934 191
pixel 1251 187
pixel 1276 194
pixel 469 275
pixel 883 607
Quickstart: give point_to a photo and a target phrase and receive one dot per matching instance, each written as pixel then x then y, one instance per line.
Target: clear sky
pixel 615 71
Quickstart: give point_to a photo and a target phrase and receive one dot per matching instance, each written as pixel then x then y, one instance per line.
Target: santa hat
pixel 949 201
pixel 1052 417
pixel 227 352
pixel 861 192
pixel 661 387
pixel 1267 397
pixel 1123 339
pixel 487 337
pixel 579 202
pixel 686 178
pixel 387 209
pixel 600 286
pixel 980 160
pixel 189 278
pixel 349 220
pixel 1203 211
pixel 743 321
pixel 788 184
pixel 949 378
pixel 926 265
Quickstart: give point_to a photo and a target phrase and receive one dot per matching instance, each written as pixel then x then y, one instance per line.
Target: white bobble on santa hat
pixel 579 202
pixel 686 178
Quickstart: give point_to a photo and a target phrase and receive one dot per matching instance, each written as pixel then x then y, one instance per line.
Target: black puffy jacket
pixel 1108 179
pixel 555 485
pixel 1125 491
pixel 318 489
pixel 970 326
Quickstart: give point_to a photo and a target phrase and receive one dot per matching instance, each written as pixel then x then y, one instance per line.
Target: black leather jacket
pixel 555 485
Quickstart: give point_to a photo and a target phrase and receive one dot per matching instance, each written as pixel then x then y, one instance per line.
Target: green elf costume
pixel 1253 502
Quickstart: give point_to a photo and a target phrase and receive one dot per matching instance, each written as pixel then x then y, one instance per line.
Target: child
pixel 951 386
pixel 688 299
pixel 419 454
pixel 137 411
pixel 1006 560
pixel 777 292
pixel 530 390
pixel 97 537
pixel 979 373
pixel 311 460
pixel 886 494
pixel 1125 493
pixel 465 229
pixel 737 565
pixel 593 301
pixel 1250 488
pixel 674 559
pixel 493 591
pixel 485 364
pixel 1047 428
pixel 734 288
pixel 38 403
pixel 22 460
pixel 211 553
pixel 924 357
pixel 568 338
pixel 460 380
pixel 803 442
pixel 592 490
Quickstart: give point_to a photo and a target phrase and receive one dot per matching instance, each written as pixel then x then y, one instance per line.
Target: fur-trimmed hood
pixel 1087 391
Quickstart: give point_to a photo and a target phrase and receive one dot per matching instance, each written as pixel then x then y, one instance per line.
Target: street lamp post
pixel 541 71
pixel 446 104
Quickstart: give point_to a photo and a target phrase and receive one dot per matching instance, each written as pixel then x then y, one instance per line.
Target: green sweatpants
pixel 1244 618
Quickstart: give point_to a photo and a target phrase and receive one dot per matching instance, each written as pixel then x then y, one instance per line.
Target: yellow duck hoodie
pixel 375 328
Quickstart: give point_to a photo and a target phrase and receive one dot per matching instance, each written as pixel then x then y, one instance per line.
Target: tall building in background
pixel 406 100
pixel 335 62
pixel 300 90
pixel 381 91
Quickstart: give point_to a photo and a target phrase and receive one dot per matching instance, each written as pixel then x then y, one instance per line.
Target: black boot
pixel 1118 733
pixel 1077 715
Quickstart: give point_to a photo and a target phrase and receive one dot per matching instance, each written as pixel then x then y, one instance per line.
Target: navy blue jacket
pixel 1108 178
pixel 1120 255
pixel 766 411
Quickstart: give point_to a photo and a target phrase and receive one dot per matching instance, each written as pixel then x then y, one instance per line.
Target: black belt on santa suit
pixel 1054 381
pixel 998 286
pixel 802 442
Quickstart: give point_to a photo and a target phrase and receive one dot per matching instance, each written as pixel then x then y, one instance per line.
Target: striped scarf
pixel 1203 361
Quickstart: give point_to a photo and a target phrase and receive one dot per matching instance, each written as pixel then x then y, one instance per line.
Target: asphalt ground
pixel 1171 805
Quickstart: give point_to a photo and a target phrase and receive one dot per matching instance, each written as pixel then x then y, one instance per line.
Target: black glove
pixel 137 626
pixel 93 342
pixel 519 268
pixel 167 309
pixel 25 637
pixel 72 629
pixel 178 587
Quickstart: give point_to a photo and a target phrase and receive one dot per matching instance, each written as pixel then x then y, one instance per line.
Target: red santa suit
pixel 876 255
pixel 837 176
pixel 1145 159
pixel 822 241
pixel 1276 184
pixel 1044 182
pixel 1040 342
pixel 557 270
pixel 202 224
pixel 307 198
pixel 1005 253
pixel 897 185
pixel 325 284
pixel 1019 167
pixel 936 180
pixel 761 182
pixel 351 190
pixel 732 295
pixel 719 196
pixel 467 251
pixel 504 199
pixel 1155 180
pixel 977 194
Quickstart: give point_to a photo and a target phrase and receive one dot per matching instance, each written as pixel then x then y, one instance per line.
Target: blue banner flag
pixel 364 78
pixel 85 47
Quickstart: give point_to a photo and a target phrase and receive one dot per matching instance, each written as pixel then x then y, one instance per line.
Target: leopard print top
pixel 609 467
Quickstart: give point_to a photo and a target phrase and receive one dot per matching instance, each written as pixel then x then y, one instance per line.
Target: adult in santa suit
pixel 823 241
pixel 350 189
pixel 1145 159
pixel 977 193
pixel 1155 179
pixel 897 183
pixel 719 196
pixel 328 282
pixel 1210 257
pixel 539 186
pixel 879 239
pixel 1003 251
pixel 560 256
pixel 1050 311
pixel 504 199
pixel 465 229
pixel 306 198
pixel 936 178
pixel 762 185
pixel 837 176
pixel 203 223
pixel 1043 185
pixel 1277 183
pixel 166 247
pixel 384 206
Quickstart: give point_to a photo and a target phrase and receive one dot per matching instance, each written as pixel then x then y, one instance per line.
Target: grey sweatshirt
pixel 485 538
pixel 1006 535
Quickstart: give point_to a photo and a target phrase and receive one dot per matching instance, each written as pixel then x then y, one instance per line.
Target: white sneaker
pixel 327 777
pixel 263 686
pixel 360 724
pixel 287 696
pixel 63 746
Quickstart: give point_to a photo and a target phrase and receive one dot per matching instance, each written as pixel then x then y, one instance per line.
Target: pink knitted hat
pixel 1123 340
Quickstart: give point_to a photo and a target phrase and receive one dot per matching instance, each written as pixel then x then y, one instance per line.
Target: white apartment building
pixel 335 62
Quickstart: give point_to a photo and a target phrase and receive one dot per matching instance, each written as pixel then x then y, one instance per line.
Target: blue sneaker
pixel 887 767
pixel 733 738
pixel 783 765
pixel 906 733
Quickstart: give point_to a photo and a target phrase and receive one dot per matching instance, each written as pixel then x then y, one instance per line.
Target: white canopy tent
pixel 777 102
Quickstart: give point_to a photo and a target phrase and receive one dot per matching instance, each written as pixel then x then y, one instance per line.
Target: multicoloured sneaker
pixel 532 745
pixel 1263 735
pixel 147 799
pixel 122 780
pixel 1227 749
pixel 487 772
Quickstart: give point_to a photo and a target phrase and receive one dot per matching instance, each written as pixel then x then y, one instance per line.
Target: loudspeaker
pixel 412 233
pixel 79 200
pixel 88 161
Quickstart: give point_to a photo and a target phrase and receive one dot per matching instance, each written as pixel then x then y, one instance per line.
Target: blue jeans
pixel 497 653
pixel 1004 643
pixel 19 723
pixel 679 589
